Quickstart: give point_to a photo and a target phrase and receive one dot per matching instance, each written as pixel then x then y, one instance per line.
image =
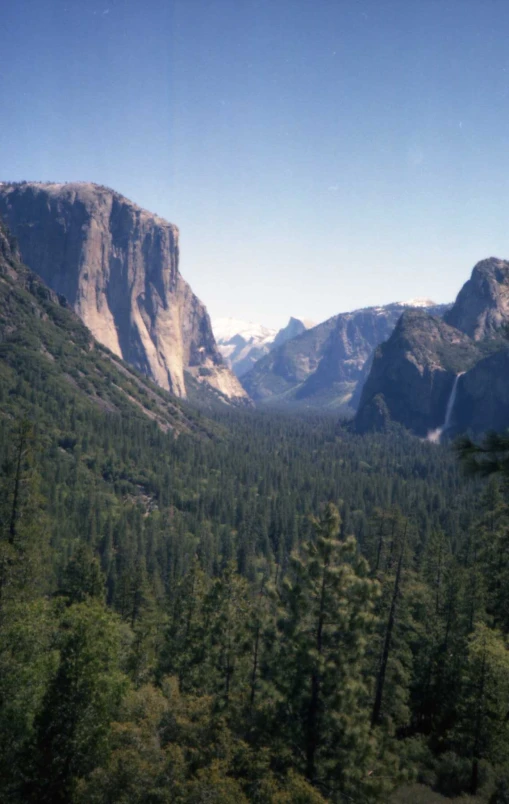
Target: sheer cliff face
pixel 483 396
pixel 117 265
pixel 482 305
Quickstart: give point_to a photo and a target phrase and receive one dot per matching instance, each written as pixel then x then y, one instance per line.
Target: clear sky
pixel 317 155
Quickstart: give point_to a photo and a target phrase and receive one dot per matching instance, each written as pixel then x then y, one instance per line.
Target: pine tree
pixel 23 533
pixel 326 621
pixel 483 728
pixel 227 613
pixel 83 578
pixel 79 704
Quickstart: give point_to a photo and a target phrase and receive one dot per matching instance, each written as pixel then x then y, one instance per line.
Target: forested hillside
pixel 239 607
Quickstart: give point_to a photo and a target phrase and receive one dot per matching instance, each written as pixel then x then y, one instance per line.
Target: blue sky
pixel 317 156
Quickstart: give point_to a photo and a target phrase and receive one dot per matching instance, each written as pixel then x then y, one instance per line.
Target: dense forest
pixel 233 606
pixel 274 611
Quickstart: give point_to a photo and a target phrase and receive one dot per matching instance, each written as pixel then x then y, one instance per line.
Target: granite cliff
pixel 482 305
pixel 482 401
pixel 118 267
pixel 295 326
pixel 413 374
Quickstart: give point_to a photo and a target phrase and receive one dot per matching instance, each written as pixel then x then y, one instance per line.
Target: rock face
pixel 118 267
pixel 413 374
pixel 482 305
pixel 324 366
pixel 482 401
pixel 295 326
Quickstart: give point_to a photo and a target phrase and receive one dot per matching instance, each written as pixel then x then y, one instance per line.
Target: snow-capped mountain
pixel 227 328
pixel 419 302
pixel 242 343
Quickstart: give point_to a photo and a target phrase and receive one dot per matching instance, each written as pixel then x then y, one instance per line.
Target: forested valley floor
pixel 265 608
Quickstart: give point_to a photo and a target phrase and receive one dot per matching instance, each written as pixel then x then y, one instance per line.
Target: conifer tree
pixel 23 525
pixel 326 622
pixel 184 648
pixel 483 727
pixel 83 578
pixel 227 613
pixel 79 704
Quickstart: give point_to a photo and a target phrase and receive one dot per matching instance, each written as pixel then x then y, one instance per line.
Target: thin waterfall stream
pixel 435 435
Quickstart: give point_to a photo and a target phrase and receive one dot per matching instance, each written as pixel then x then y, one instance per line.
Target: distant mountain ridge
pixel 454 372
pixel 118 267
pixel 243 343
pixel 325 366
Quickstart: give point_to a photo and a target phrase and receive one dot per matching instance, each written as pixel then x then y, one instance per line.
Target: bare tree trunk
pixel 474 783
pixel 380 543
pixel 13 520
pixel 313 737
pixel 377 706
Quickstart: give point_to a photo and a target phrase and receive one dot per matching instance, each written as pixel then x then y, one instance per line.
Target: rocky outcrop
pixel 482 305
pixel 413 374
pixel 295 326
pixel 118 267
pixel 324 366
pixel 9 253
pixel 482 402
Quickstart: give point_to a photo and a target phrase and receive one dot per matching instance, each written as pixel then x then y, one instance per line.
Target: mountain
pixel 434 376
pixel 51 367
pixel 295 326
pixel 118 267
pixel 324 366
pixel 413 374
pixel 242 343
pixel 482 305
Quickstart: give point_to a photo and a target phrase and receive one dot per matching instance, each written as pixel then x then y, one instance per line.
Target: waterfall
pixel 435 435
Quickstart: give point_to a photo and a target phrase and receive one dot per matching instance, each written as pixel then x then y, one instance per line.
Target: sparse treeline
pixel 191 620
